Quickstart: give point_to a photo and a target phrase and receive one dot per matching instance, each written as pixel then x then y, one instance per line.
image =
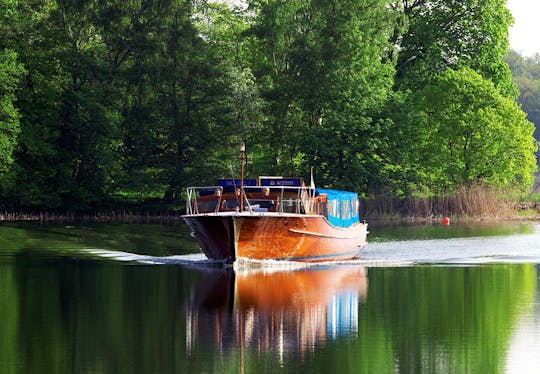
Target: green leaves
pixel 467 133
pixel 151 96
pixel 454 34
pixel 321 71
pixel 10 72
pixel 455 121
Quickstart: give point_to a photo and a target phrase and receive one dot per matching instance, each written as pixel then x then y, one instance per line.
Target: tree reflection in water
pixel 60 315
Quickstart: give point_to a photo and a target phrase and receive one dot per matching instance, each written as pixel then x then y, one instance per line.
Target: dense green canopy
pixel 526 76
pixel 103 99
pixel 10 71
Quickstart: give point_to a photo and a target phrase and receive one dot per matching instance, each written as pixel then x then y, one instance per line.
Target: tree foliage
pixel 101 98
pixel 321 70
pixel 453 115
pixel 463 132
pixel 526 76
pixel 454 34
pixel 10 72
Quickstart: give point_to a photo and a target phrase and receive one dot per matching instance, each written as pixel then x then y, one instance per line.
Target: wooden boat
pixel 274 218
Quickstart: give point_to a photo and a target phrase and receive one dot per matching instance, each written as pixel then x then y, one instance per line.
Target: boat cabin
pixel 275 195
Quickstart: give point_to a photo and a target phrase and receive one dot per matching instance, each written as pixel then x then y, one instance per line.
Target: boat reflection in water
pixel 274 311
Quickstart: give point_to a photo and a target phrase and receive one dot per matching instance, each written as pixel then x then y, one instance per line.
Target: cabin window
pixel 333 208
pixel 355 207
pixel 345 209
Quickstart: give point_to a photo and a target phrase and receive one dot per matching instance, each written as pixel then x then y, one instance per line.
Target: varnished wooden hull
pixel 293 237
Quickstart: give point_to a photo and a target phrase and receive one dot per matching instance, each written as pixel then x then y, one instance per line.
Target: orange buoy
pixel 445 220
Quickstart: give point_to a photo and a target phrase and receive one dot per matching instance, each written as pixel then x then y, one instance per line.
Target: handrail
pixel 301 200
pixel 305 202
pixel 191 194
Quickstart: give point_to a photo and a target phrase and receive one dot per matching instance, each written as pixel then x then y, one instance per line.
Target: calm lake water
pixel 141 299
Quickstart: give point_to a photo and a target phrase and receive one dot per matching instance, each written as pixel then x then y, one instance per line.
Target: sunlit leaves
pixel 454 34
pixel 466 132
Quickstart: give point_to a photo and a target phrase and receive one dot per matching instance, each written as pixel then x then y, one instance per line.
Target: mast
pixel 242 167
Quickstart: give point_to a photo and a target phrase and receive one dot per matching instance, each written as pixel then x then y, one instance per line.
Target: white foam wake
pixel 194 258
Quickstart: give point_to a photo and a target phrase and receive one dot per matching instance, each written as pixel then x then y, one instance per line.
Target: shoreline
pixel 156 217
pixel 170 217
pixel 455 219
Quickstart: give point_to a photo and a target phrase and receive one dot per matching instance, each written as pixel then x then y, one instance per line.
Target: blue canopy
pixel 342 207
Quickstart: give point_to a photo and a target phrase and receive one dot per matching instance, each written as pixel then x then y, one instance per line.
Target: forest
pixel 107 102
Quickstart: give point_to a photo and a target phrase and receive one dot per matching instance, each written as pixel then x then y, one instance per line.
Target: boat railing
pixel 193 202
pixel 288 199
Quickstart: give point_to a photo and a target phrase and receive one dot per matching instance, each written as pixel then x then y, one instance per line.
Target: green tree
pixel 442 134
pixel 192 87
pixel 24 30
pixel 134 35
pixel 321 70
pixel 525 67
pixel 174 69
pixel 236 106
pixel 462 131
pixel 70 121
pixel 453 34
pixel 10 73
pixel 526 76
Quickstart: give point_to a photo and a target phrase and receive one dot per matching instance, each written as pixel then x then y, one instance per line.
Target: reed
pixel 475 202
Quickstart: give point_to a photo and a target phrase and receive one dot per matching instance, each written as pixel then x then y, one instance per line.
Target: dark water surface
pixel 141 299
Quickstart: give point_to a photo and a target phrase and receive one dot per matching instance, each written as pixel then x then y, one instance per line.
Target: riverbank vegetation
pixel 123 104
pixel 478 202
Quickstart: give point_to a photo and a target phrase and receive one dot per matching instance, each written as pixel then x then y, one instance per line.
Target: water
pixel 141 299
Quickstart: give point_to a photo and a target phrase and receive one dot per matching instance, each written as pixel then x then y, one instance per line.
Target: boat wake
pixel 200 260
pixel 511 249
pixel 189 259
pixel 469 251
pixel 512 259
pixel 267 266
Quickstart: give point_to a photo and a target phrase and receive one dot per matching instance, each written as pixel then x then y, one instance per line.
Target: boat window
pixel 355 207
pixel 333 208
pixel 321 208
pixel 345 209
